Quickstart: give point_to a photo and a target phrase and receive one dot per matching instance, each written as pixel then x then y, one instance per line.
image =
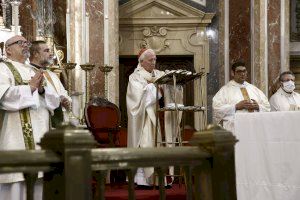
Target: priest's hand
pixel 65 103
pixel 255 105
pixel 244 104
pixel 36 81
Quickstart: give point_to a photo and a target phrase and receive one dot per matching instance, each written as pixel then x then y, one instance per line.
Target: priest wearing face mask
pixel 237 96
pixel 286 99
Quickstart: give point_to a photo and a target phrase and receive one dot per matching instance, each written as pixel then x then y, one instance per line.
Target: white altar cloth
pixel 268 156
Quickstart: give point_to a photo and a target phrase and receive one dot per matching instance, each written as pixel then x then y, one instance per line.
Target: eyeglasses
pixel 241 71
pixel 21 43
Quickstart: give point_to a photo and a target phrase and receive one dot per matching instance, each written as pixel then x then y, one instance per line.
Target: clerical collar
pixel 244 84
pixel 37 66
pixel 283 92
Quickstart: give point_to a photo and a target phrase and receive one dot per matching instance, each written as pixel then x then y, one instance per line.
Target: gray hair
pixel 286 73
pixel 142 57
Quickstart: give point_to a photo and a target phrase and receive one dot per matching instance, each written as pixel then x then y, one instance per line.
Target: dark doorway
pixel 129 63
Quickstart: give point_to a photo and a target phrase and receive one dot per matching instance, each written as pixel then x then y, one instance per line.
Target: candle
pixel 106 34
pixel 87 38
pixel 68 34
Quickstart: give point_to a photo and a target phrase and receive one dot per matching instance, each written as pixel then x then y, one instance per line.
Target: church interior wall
pixel 239 33
pixel 240 41
pixel 95 10
pixel 26 21
pixel 274 61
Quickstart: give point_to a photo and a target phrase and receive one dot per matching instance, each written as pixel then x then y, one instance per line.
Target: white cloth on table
pixel 282 101
pixel 229 95
pixel 15 98
pixel 267 156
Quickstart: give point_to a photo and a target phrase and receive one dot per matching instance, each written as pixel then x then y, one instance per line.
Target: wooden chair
pixel 103 120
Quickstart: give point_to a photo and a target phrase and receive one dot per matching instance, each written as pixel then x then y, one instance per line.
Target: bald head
pixel 17 48
pixel 13 40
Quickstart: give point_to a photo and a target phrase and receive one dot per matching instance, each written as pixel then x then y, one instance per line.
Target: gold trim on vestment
pixel 24 113
pixel 246 96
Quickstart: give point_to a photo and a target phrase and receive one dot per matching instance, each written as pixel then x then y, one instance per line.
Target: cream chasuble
pixel 229 95
pixel 141 107
pixel 141 110
pixel 282 101
pixel 15 98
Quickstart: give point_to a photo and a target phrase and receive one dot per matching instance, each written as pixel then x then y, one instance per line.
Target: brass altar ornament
pixel 87 68
pixel 106 69
pixel 69 66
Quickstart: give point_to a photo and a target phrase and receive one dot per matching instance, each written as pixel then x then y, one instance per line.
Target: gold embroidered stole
pixel 48 77
pixel 246 96
pixel 24 113
pixel 58 116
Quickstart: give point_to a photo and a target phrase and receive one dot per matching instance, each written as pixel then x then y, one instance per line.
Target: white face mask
pixel 289 86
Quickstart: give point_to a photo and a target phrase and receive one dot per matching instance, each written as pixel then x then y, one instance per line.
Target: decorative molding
pixel 178 8
pixel 154 31
pixel 173 12
pixel 154 37
pixel 202 2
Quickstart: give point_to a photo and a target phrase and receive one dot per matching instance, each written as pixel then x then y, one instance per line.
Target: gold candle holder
pixel 69 67
pixel 87 68
pixel 106 69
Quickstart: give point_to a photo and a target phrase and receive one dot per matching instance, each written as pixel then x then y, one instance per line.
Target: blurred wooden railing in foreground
pixel 68 160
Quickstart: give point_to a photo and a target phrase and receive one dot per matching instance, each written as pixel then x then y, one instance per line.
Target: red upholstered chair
pixel 103 120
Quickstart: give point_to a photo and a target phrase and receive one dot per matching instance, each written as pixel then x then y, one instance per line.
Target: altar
pixel 267 156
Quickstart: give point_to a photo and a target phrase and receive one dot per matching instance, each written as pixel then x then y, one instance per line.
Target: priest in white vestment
pixel 22 91
pixel 141 109
pixel 41 57
pixel 286 99
pixel 237 96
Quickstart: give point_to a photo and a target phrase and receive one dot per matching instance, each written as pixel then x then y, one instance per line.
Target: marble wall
pixel 249 26
pixel 273 42
pixel 95 10
pixel 239 33
pixel 26 21
pixel 59 27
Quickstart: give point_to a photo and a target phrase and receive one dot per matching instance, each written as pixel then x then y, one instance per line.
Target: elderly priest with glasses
pixel 25 105
pixel 237 96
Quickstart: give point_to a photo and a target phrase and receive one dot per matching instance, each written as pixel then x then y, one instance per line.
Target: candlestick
pixel 69 67
pixel 87 68
pixel 106 69
pixel 106 34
